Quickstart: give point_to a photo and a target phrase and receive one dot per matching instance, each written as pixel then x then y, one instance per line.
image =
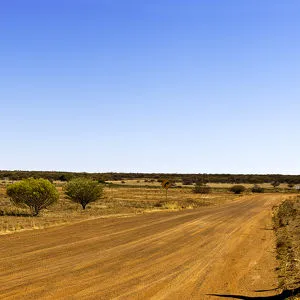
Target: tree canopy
pixel 37 194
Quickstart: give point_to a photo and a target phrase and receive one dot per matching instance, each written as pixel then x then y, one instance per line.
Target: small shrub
pixel 187 181
pixel 257 189
pixel 158 204
pixel 14 213
pixel 202 189
pixel 285 211
pixel 171 205
pixel 237 189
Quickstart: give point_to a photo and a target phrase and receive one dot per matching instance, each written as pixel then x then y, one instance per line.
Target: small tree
pixel 275 184
pixel 83 191
pixel 37 194
pixel 237 189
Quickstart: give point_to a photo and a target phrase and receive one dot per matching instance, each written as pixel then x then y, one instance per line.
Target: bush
pixel 65 177
pixel 83 191
pixel 257 189
pixel 275 184
pixel 237 189
pixel 201 189
pixel 286 211
pixel 187 181
pixel 37 194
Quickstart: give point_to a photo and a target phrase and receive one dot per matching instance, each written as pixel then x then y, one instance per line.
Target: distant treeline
pixel 185 178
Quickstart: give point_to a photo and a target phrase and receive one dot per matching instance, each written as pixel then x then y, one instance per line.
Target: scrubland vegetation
pixel 115 200
pixel 287 227
pixel 84 197
pixel 38 203
pixel 186 179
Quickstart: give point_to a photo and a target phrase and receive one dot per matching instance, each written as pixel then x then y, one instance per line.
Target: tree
pixel 83 191
pixel 237 189
pixel 37 194
pixel 63 177
pixel 275 184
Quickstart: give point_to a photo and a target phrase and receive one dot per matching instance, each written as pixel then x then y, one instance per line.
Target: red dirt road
pixel 167 255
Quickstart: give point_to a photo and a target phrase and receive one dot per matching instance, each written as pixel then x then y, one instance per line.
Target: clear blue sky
pixel 183 86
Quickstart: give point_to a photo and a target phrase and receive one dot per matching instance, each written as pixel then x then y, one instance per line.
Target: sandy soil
pixel 227 249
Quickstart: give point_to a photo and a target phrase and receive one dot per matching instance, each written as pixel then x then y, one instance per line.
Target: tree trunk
pixel 35 211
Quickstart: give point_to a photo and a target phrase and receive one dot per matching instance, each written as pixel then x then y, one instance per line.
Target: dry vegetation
pixel 139 196
pixel 116 201
pixel 217 186
pixel 287 227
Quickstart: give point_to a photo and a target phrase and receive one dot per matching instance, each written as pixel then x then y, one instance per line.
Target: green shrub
pixel 257 189
pixel 83 191
pixel 237 189
pixel 37 194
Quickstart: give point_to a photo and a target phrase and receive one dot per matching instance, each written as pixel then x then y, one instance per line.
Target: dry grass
pixel 149 183
pixel 116 201
pixel 287 228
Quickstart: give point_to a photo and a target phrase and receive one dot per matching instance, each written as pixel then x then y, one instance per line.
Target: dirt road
pixel 227 249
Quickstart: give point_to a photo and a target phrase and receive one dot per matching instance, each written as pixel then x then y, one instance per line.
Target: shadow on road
pixel 283 295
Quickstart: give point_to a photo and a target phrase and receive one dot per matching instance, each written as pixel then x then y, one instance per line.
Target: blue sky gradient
pixel 150 86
